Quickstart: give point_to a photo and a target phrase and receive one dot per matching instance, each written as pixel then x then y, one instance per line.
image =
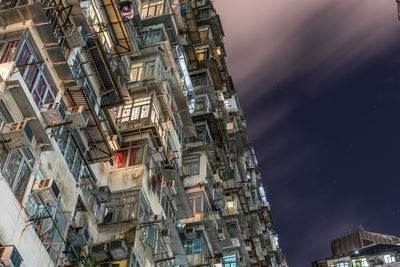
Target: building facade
pixel 122 140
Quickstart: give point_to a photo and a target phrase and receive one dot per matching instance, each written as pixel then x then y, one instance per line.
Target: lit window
pixel 144 70
pixel 152 9
pixel 202 54
pixel 389 258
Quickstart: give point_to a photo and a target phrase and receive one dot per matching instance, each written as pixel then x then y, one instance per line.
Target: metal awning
pixel 177 248
pixel 111 94
pixel 183 111
pixel 184 209
pixel 122 42
pixel 99 148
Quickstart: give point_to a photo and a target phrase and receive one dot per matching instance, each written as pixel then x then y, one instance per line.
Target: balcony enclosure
pixel 150 36
pixel 142 113
pixel 199 105
pixel 154 8
pixel 149 69
pixel 18 47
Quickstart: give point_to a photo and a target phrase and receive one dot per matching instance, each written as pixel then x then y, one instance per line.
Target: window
pixel 145 70
pixel 152 9
pixel 389 258
pixel 69 149
pixel 150 36
pixel 134 261
pixel 191 166
pixel 36 76
pixel 130 154
pixel 123 207
pixel 196 201
pixel 17 170
pixel 192 246
pixel 230 260
pixel 202 54
pixel 204 33
pixel 342 264
pixel 360 263
pixel 9 44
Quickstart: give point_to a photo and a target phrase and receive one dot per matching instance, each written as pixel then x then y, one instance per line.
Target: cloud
pixel 276 40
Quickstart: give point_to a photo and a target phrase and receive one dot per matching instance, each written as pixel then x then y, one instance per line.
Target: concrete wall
pixel 15 231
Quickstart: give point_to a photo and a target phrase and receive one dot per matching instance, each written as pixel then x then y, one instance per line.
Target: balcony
pixel 140 116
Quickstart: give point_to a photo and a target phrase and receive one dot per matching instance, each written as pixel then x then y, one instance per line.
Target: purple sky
pixel 304 71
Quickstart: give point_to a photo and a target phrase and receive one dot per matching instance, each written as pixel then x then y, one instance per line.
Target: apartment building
pixel 122 140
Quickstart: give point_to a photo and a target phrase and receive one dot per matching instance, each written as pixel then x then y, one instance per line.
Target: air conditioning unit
pixel 53 113
pixel 99 252
pixel 172 186
pixel 190 233
pixel 155 218
pixel 78 37
pixel 45 190
pixel 220 233
pixel 17 134
pixel 77 116
pixel 78 236
pixel 247 193
pixel 10 257
pixel 118 249
pixel 103 194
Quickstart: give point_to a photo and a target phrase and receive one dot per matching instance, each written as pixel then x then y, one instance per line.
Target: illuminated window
pixel 202 54
pixel 230 260
pixel 360 263
pixel 389 258
pixel 152 9
pixel 192 246
pixel 204 33
pixel 144 70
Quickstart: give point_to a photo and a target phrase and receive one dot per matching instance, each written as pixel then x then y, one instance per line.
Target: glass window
pixel 202 54
pixel 130 154
pixel 389 258
pixel 36 76
pixel 123 207
pixel 196 201
pixel 152 9
pixel 138 109
pixel 191 166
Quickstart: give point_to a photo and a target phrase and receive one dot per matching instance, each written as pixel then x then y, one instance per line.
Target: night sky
pixel 319 85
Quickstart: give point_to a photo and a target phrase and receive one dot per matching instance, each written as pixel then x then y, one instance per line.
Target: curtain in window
pixel 120 158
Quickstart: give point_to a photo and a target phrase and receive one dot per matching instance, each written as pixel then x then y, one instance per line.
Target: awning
pixel 123 45
pixel 99 148
pixel 177 248
pixel 111 94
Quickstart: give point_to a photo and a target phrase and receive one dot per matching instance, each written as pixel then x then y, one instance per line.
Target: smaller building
pixel 363 249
